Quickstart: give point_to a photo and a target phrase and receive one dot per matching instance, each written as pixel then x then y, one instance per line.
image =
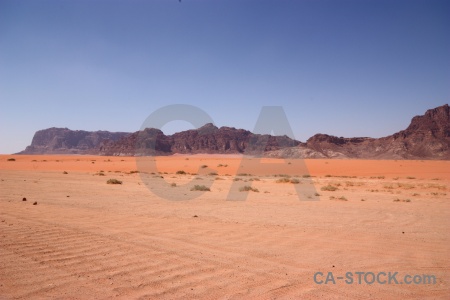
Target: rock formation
pixel 427 137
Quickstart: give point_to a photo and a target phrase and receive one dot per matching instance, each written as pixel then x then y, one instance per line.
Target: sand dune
pixel 88 239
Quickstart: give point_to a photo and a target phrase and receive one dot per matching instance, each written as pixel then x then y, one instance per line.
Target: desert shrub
pixel 306 176
pixel 294 181
pixel 237 179
pixel 200 188
pixel 342 198
pixel 173 184
pixel 11 159
pixel 181 172
pixel 204 166
pixel 244 174
pixel 283 180
pixel 254 179
pixel 328 175
pixel 248 188
pixel 328 188
pixel 410 177
pixel 213 174
pixel 283 175
pixel 405 186
pixel 317 194
pixel 113 181
pixel 65 172
pixel 133 172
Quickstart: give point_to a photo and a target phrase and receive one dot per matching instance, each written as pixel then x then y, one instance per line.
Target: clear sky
pixel 346 68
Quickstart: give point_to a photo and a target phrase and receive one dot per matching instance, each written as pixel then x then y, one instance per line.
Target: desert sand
pixel 151 237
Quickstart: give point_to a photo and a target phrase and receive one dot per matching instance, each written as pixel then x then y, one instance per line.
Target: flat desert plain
pixel 267 229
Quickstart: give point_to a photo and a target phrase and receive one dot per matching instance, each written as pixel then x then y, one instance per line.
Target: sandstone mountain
pixel 65 141
pixel 427 137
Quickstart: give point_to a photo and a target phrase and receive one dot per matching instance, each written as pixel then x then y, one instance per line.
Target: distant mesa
pixel 427 137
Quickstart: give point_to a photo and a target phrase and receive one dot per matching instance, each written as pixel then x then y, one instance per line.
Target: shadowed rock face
pixel 65 141
pixel 427 137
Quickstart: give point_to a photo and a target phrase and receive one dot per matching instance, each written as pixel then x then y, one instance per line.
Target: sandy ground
pixel 144 238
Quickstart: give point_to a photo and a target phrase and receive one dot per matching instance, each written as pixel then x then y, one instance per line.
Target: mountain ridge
pixel 426 137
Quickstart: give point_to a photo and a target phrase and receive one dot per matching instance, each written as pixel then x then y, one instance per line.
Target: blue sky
pixel 346 68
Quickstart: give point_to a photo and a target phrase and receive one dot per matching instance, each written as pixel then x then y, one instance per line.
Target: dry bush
pixel 113 181
pixel 200 188
pixel 248 188
pixel 329 188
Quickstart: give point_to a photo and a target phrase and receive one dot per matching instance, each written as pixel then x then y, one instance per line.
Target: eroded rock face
pixel 65 141
pixel 427 137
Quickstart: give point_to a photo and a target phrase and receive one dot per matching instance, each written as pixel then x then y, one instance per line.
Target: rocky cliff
pixel 427 137
pixel 65 141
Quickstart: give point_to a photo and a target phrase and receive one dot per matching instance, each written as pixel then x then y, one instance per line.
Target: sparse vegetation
pixel 283 180
pixel 410 177
pixel 248 188
pixel 244 174
pixel 342 198
pixel 113 181
pixel 173 184
pixel 213 174
pixel 288 180
pixel 11 159
pixel 237 179
pixel 329 188
pixel 405 186
pixel 436 186
pixel 65 172
pixel 204 166
pixel 405 200
pixel 200 188
pixel 283 175
pixel 306 176
pixel 181 172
